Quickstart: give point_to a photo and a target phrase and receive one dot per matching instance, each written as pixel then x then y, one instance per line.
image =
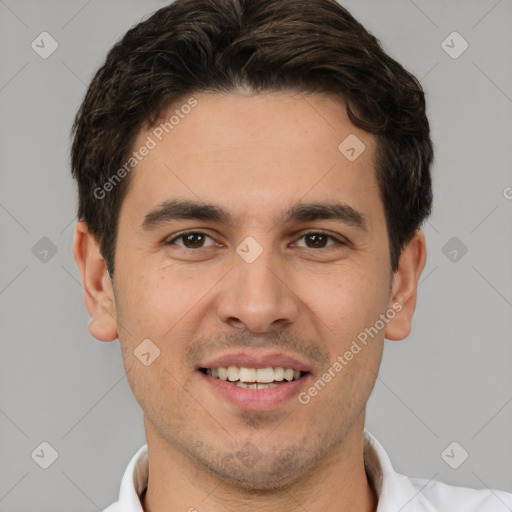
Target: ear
pixel 98 290
pixel 405 285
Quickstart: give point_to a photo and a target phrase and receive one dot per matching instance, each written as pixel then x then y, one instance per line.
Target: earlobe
pixel 97 286
pixel 404 286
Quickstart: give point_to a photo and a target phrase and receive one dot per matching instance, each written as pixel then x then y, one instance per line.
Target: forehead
pixel 255 153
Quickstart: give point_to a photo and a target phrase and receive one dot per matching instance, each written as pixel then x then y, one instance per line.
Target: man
pixel 252 180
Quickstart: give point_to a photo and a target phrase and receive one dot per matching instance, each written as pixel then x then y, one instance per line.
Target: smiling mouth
pixel 254 378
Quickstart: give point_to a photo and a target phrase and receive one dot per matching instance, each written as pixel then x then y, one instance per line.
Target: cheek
pixel 352 389
pixel 158 392
pixel 353 301
pixel 152 305
pixel 160 308
pixel 347 299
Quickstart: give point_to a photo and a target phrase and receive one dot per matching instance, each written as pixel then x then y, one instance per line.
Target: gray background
pixel 450 381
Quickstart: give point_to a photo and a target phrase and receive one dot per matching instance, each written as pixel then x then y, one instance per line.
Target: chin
pixel 257 481
pixel 251 470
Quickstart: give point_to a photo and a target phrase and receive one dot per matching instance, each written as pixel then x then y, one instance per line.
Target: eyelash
pixel 329 236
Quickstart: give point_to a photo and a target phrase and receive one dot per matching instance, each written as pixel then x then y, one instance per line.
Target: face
pixel 252 251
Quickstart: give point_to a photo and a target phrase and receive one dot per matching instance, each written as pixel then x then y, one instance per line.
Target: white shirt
pixel 396 493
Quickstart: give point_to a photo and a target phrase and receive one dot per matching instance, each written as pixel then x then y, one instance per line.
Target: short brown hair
pixel 267 45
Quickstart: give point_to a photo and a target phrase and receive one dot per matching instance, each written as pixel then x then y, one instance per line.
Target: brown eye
pixel 191 240
pixel 318 240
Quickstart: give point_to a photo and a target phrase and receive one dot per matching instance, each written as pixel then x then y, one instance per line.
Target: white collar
pixel 395 492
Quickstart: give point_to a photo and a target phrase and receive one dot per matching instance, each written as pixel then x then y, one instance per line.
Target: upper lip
pixel 254 360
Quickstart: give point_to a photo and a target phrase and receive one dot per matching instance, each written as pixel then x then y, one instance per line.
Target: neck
pixel 178 483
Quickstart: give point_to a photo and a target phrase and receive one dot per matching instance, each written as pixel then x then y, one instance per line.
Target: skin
pixel 254 155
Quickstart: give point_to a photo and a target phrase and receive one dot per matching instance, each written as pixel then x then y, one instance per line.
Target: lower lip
pixel 256 399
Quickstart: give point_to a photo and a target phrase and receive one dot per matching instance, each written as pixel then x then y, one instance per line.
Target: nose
pixel 257 296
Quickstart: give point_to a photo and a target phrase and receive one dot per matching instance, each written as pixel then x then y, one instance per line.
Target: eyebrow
pixel 300 212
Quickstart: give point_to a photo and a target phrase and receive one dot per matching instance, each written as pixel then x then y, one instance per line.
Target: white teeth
pixel 265 375
pixel 251 378
pixel 247 375
pixel 255 386
pixel 278 374
pixel 288 374
pixel 232 373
